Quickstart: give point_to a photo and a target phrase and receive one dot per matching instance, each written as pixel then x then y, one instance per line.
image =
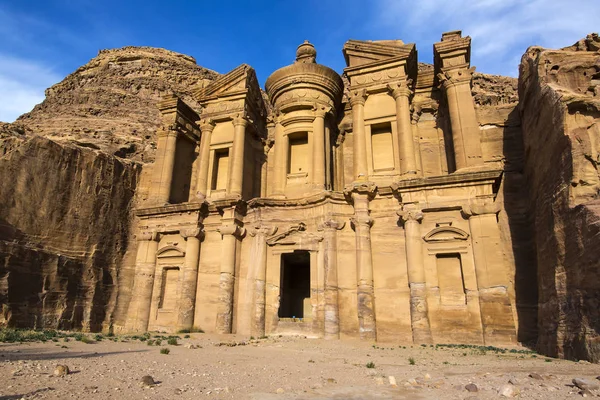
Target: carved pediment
pixel 446 234
pixel 361 52
pixel 170 251
pixel 294 235
pixel 234 81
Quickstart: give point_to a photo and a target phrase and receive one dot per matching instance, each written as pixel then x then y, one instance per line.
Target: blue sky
pixel 41 41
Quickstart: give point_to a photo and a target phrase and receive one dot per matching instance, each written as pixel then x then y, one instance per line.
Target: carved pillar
pixel 187 295
pixel 263 172
pixel 401 93
pixel 162 175
pixel 361 223
pixel 419 317
pixel 332 313
pixel 230 232
pixel 492 276
pixel 318 167
pixel 281 159
pixel 141 294
pixel 357 101
pixel 260 234
pixel 465 128
pixel 236 173
pixel 206 127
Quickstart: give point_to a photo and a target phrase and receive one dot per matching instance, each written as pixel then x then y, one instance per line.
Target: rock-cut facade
pixel 364 206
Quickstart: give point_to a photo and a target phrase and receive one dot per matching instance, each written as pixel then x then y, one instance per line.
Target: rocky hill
pixel 110 103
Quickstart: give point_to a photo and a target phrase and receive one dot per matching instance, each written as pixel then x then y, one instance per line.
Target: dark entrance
pixel 295 283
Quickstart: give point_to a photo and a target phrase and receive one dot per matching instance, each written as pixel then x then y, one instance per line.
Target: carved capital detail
pixel 410 212
pixel 481 205
pixel 330 223
pixel 148 236
pixel 262 230
pixel 241 119
pixel 232 229
pixel 455 77
pixel 357 97
pixel 367 188
pixel 196 232
pixel 361 220
pixel 206 125
pixel 400 89
pixel 321 111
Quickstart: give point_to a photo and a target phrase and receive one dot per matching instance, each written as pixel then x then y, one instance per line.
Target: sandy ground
pixel 278 368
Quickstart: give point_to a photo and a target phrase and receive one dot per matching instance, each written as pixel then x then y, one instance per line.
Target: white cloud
pixel 501 29
pixel 22 85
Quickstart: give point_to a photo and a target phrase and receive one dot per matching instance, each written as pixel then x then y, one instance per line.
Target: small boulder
pixel 535 375
pixel 584 384
pixel 61 370
pixel 280 391
pixel 586 393
pixel 509 391
pixel 147 381
pixel 471 387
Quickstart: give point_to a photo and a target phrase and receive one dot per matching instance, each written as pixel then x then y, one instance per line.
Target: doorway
pixel 295 285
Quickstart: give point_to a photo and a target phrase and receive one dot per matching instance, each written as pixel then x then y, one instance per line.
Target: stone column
pixel 230 232
pixel 319 147
pixel 141 294
pixel 206 127
pixel 493 281
pixel 419 317
pixel 260 234
pixel 162 175
pixel 401 93
pixel 364 266
pixel 187 295
pixel 357 101
pixel 236 172
pixel 332 313
pixel 281 159
pixel 465 128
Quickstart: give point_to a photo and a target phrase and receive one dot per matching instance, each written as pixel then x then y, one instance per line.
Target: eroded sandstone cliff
pixel 110 103
pixel 71 168
pixel 559 93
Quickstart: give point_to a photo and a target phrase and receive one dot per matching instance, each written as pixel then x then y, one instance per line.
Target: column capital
pixel 148 236
pixel 206 125
pixel 481 205
pixel 321 111
pixel 170 130
pixel 197 232
pixel 361 188
pixel 400 89
pixel 450 78
pixel 241 119
pixel 231 229
pixel 330 223
pixel 361 220
pixel 262 230
pixel 410 212
pixel 357 97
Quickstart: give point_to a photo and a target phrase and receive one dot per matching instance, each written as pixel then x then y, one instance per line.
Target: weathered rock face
pixel 110 103
pixel 496 101
pixel 559 93
pixel 64 230
pixel 66 214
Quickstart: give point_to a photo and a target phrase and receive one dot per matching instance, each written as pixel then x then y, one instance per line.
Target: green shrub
pixel 172 341
pixel 411 361
pixel 370 364
pixel 164 350
pixel 150 342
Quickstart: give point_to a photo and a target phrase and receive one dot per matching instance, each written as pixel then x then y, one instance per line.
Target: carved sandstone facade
pixel 366 208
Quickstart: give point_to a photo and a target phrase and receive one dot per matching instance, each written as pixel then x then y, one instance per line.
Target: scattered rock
pixel 280 391
pixel 509 391
pixel 535 375
pixel 393 381
pixel 379 380
pixel 586 393
pixel 331 380
pixel 147 381
pixel 471 387
pixel 61 370
pixel 584 384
